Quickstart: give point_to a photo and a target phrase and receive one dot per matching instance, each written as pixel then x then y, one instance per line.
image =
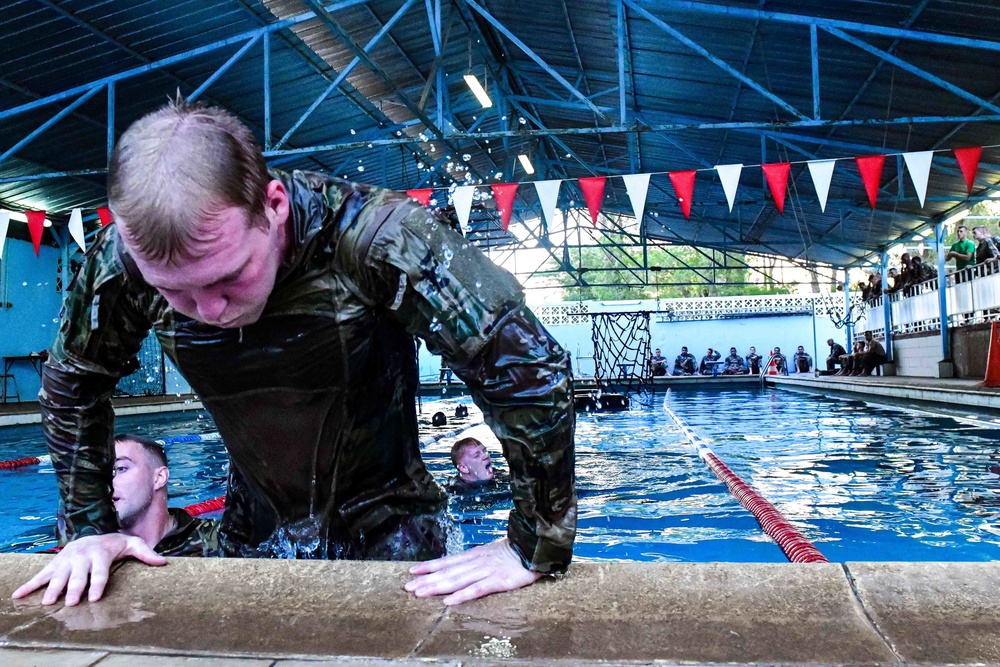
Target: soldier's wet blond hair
pixel 177 165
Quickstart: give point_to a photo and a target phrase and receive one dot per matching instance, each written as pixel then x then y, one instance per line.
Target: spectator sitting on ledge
pixel 801 361
pixel 684 363
pixel 706 367
pixel 734 364
pixel 873 355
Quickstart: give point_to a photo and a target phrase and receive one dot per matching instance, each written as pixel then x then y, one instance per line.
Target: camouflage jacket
pixel 190 536
pixel 316 400
pixel 684 363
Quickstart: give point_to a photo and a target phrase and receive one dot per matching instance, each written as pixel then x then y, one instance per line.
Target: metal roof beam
pixel 345 72
pixel 718 62
pixel 534 56
pixel 913 69
pixel 50 122
pixel 799 19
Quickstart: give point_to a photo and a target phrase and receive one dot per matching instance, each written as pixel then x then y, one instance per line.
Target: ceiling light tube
pixel 526 163
pixel 478 90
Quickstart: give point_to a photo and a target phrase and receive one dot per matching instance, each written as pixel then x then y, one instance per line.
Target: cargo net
pixel 621 354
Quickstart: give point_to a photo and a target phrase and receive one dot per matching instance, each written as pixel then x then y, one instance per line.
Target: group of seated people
pixel 915 270
pixel 866 356
pixel 713 364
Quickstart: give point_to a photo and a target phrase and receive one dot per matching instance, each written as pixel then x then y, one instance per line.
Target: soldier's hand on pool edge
pixel 472 574
pixel 87 559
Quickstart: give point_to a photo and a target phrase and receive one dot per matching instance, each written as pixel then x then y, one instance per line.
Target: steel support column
pixel 847 312
pixel 886 306
pixel 940 233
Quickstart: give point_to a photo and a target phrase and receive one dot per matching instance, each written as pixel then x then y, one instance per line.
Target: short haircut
pixel 177 165
pixel 458 449
pixel 152 447
pixel 961 227
pixel 978 228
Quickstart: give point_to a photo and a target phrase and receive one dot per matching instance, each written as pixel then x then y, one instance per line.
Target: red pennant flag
pixel 968 160
pixel 422 195
pixel 36 225
pixel 104 213
pixel 593 193
pixel 683 182
pixel 504 194
pixel 870 167
pixel 776 174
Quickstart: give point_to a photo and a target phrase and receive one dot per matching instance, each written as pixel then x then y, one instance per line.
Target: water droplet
pixel 370 145
pixel 466 156
pixel 479 283
pixel 353 132
pixel 522 120
pixel 448 254
pixel 399 133
pixel 361 167
pixel 504 118
pixel 24 284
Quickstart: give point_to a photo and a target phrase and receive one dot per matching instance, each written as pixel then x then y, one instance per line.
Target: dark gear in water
pixel 315 400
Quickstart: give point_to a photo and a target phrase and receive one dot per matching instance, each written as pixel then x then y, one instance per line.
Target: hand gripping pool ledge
pixel 794 545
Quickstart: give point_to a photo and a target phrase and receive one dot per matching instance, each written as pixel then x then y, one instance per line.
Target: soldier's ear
pixel 160 478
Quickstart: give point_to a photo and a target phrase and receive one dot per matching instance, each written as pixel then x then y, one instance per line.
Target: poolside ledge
pixel 203 613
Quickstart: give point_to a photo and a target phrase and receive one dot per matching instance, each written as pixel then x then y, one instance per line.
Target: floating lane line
pixel 793 543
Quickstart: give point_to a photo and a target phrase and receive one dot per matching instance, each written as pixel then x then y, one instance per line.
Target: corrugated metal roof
pixel 50 46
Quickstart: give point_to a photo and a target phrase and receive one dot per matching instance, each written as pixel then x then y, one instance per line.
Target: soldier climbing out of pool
pixel 290 303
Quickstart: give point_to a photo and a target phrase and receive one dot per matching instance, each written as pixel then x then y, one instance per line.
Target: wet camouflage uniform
pixel 734 365
pixel 315 401
pixel 684 364
pixel 190 536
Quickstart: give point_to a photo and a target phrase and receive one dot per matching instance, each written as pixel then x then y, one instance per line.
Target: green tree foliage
pixel 621 268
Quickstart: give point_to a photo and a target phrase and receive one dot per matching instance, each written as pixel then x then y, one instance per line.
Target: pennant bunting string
pixel 36 225
pixel 4 223
pixel 729 174
pixel 683 182
pixel 462 199
pixel 504 194
pixel 637 185
pixel 423 195
pixel 548 197
pixel 593 194
pixel 870 167
pixel 919 166
pixel 776 174
pixel 822 173
pixel 76 228
pixel 104 213
pixel 968 161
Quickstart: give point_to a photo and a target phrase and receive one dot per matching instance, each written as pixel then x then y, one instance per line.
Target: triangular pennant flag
pixel 423 195
pixel 729 174
pixel 919 166
pixel 870 167
pixel 822 173
pixel 683 182
pixel 104 213
pixel 462 199
pixel 637 185
pixel 968 160
pixel 36 225
pixel 776 174
pixel 548 197
pixel 4 223
pixel 76 228
pixel 504 194
pixel 593 194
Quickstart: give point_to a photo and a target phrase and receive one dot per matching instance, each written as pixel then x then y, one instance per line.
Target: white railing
pixel 973 297
pixel 700 308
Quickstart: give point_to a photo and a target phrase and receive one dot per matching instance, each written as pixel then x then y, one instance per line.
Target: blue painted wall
pixel 28 284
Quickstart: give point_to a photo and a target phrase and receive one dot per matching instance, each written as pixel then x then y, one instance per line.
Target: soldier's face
pixel 475 464
pixel 229 275
pixel 137 478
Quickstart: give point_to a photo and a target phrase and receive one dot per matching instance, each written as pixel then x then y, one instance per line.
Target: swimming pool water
pixel 863 482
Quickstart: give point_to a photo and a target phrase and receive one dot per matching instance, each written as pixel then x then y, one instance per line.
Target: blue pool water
pixel 863 482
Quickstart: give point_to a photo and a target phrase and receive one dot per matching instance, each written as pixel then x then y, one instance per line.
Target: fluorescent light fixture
pixel 20 217
pixel 526 163
pixel 478 90
pixel 961 215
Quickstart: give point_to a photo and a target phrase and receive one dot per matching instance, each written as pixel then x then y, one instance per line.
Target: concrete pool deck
pixel 269 612
pixel 961 395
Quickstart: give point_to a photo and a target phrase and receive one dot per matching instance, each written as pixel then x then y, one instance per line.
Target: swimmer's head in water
pixel 140 473
pixel 472 460
pixel 199 213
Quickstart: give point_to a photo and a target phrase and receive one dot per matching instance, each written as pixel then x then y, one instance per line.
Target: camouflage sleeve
pixel 102 325
pixel 465 308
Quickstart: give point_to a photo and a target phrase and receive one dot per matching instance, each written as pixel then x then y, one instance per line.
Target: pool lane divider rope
pixel 25 462
pixel 794 544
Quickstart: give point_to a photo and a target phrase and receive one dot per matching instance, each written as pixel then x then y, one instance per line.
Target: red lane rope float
pixel 796 547
pixel 204 507
pixel 793 543
pixel 24 462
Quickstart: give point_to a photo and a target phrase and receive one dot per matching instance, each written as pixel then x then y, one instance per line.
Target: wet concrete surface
pixel 255 612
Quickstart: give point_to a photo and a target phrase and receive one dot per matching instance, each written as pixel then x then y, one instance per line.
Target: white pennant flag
pixel 463 204
pixel 76 228
pixel 729 174
pixel 637 185
pixel 4 222
pixel 919 166
pixel 822 173
pixel 548 197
